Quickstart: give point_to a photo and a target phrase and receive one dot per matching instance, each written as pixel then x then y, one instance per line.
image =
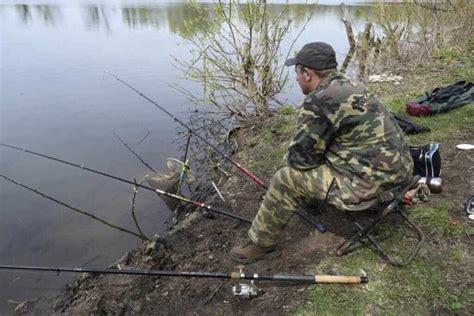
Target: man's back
pixel 347 129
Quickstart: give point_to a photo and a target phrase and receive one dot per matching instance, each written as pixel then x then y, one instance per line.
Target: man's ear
pixel 307 73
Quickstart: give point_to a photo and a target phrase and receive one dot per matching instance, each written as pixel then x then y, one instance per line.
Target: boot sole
pixel 271 255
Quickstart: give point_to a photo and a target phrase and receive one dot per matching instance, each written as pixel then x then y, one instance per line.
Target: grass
pixel 443 126
pixel 270 144
pixel 448 66
pixel 438 219
pixel 425 286
pixel 439 280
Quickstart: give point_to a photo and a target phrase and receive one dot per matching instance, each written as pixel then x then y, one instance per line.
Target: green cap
pixel 317 55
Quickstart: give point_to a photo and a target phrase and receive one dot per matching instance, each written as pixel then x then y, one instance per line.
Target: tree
pixel 237 57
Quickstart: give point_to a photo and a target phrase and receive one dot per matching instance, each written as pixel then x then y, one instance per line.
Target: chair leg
pixel 414 251
pixel 371 238
pixel 365 231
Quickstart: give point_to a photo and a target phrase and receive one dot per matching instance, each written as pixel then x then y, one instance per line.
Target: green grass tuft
pixel 287 110
pixel 448 54
pixel 438 219
pixel 271 141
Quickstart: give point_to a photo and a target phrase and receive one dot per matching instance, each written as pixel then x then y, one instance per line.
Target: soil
pixel 201 242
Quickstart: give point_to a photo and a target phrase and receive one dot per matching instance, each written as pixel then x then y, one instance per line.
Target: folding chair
pixel 396 206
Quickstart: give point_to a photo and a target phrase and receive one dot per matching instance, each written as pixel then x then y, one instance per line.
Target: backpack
pixel 442 99
pixel 426 160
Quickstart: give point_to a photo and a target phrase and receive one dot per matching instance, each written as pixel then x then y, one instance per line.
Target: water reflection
pixel 144 17
pixel 49 15
pixel 24 12
pixel 172 16
pixel 96 18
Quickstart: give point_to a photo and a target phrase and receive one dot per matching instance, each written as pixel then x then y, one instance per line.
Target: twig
pixel 294 42
pixel 215 291
pixel 217 190
pixel 348 25
pixel 144 137
pixel 135 191
pixel 204 126
pixel 222 170
pixel 433 7
pixel 73 208
pixel 160 265
pixel 134 152
pixel 185 164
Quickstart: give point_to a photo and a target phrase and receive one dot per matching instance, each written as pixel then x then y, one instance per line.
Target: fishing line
pixel 161 192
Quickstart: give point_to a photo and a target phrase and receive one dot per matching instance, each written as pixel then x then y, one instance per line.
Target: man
pixel 348 152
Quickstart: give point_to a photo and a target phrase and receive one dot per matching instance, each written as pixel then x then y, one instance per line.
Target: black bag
pixel 407 125
pixel 427 160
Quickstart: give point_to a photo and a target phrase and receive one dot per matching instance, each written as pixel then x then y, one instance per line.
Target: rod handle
pixel 340 279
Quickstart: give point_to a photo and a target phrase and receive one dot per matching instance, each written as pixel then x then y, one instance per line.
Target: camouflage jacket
pixel 345 127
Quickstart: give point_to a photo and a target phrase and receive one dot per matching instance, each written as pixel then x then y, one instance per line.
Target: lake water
pixel 56 99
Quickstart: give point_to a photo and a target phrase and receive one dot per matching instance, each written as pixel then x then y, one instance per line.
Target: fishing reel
pixel 246 290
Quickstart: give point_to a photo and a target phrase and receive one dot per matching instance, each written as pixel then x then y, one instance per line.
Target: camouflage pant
pixel 289 189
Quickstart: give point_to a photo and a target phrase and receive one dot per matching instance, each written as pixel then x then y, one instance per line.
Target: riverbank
pixel 437 281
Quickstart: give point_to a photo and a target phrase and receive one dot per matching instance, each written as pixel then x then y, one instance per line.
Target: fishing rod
pixel 161 192
pixel 101 220
pixel 226 156
pixel 307 278
pixel 247 172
